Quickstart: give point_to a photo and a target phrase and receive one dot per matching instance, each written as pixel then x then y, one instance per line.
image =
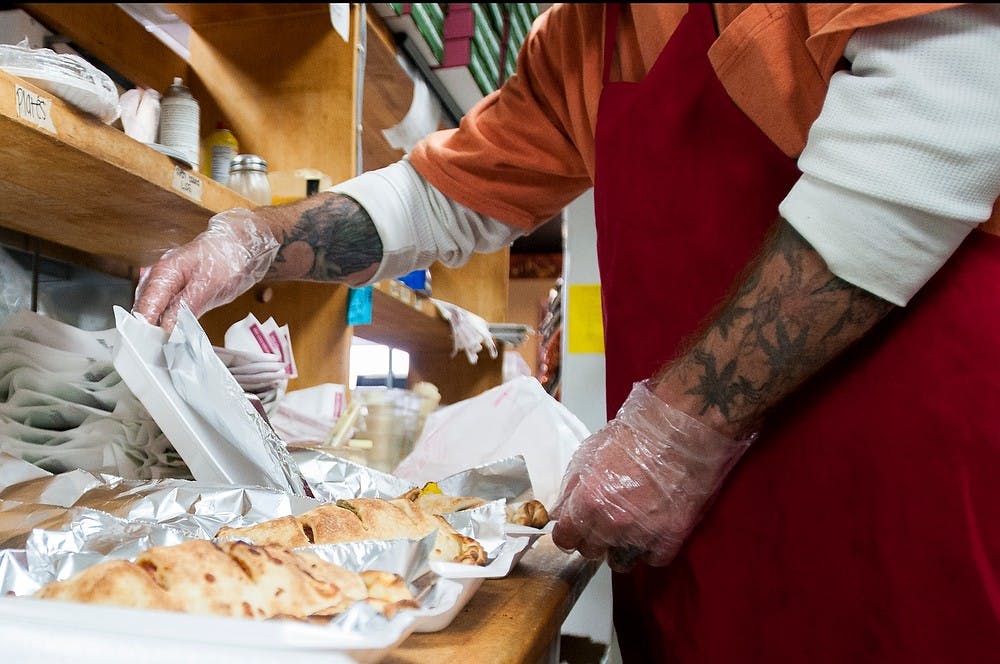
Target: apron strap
pixel 611 10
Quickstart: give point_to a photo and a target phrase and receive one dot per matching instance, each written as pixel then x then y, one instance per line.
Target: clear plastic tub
pixel 389 418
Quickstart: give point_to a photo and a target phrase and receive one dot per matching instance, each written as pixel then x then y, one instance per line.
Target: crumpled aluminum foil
pixel 56 525
pixel 196 508
pixel 14 576
pixel 507 478
pixel 92 537
pixel 333 478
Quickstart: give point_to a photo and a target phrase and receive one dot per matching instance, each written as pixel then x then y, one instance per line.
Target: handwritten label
pixel 34 108
pixel 187 183
pixel 340 18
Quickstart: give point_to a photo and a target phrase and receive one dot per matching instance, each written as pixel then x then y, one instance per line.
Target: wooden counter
pixel 514 620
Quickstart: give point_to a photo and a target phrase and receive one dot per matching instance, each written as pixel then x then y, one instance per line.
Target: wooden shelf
pixel 402 319
pixel 208 13
pixel 91 194
pixel 91 188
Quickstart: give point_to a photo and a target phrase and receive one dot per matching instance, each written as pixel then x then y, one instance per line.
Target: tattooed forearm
pixel 788 317
pixel 330 239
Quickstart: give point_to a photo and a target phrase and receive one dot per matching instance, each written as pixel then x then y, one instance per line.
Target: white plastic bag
pixel 516 418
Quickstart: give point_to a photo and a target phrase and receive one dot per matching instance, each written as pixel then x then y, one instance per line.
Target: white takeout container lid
pixel 101 634
pixel 142 364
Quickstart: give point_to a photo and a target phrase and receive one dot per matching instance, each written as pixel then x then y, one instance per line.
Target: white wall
pixel 582 391
pixel 582 373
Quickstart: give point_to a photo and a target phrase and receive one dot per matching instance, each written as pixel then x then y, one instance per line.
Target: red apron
pixel 864 526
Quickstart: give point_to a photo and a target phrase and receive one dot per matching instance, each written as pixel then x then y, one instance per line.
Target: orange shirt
pixel 525 152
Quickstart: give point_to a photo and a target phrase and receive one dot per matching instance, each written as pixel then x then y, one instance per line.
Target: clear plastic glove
pixel 470 332
pixel 221 263
pixel 635 489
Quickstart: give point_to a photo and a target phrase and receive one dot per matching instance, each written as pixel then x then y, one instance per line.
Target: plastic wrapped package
pixel 67 76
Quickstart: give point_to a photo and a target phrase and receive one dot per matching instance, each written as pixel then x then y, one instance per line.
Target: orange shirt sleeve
pixel 522 154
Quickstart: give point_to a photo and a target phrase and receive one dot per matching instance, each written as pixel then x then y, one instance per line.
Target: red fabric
pixel 864 526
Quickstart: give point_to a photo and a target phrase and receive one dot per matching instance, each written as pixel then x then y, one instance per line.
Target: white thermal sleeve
pixel 418 224
pixel 904 159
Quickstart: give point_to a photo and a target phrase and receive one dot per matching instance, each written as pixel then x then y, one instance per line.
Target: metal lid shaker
pixel 248 177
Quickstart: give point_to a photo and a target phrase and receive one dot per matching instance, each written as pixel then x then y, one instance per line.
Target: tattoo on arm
pixel 338 236
pixel 787 319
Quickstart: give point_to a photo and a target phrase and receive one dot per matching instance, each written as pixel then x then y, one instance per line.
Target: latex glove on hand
pixel 635 489
pixel 221 263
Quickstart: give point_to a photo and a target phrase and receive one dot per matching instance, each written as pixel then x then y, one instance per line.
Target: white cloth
pixel 904 159
pixel 418 224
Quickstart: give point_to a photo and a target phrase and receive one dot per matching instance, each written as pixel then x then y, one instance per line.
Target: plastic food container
pixel 389 419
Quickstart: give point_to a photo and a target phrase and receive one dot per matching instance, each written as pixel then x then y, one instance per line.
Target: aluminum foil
pixel 333 478
pixel 196 508
pixel 407 558
pixel 14 576
pixel 15 471
pixel 57 525
pixel 507 478
pixel 17 519
pixel 94 537
pixel 485 524
pixel 91 537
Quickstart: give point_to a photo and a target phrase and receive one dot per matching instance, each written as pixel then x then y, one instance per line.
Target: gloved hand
pixel 635 489
pixel 214 268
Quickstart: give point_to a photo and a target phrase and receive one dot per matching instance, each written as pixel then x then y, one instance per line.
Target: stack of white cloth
pixel 63 405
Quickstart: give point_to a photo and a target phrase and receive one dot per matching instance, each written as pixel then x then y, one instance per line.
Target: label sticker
pixel 34 108
pixel 585 325
pixel 340 18
pixel 187 183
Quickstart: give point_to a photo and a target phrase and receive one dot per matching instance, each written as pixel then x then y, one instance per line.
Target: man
pixel 739 263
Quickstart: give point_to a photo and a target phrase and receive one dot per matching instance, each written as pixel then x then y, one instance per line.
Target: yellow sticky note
pixel 585 327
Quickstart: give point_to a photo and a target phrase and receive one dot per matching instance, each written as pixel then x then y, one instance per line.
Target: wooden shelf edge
pixel 90 187
pixel 200 14
pixel 404 320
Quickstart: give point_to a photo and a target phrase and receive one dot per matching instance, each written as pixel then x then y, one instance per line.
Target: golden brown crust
pixel 529 513
pixel 286 530
pixel 388 592
pixel 361 519
pixel 438 503
pixel 230 579
pixel 116 582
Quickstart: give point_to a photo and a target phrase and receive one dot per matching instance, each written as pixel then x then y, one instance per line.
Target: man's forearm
pixel 789 317
pixel 327 237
